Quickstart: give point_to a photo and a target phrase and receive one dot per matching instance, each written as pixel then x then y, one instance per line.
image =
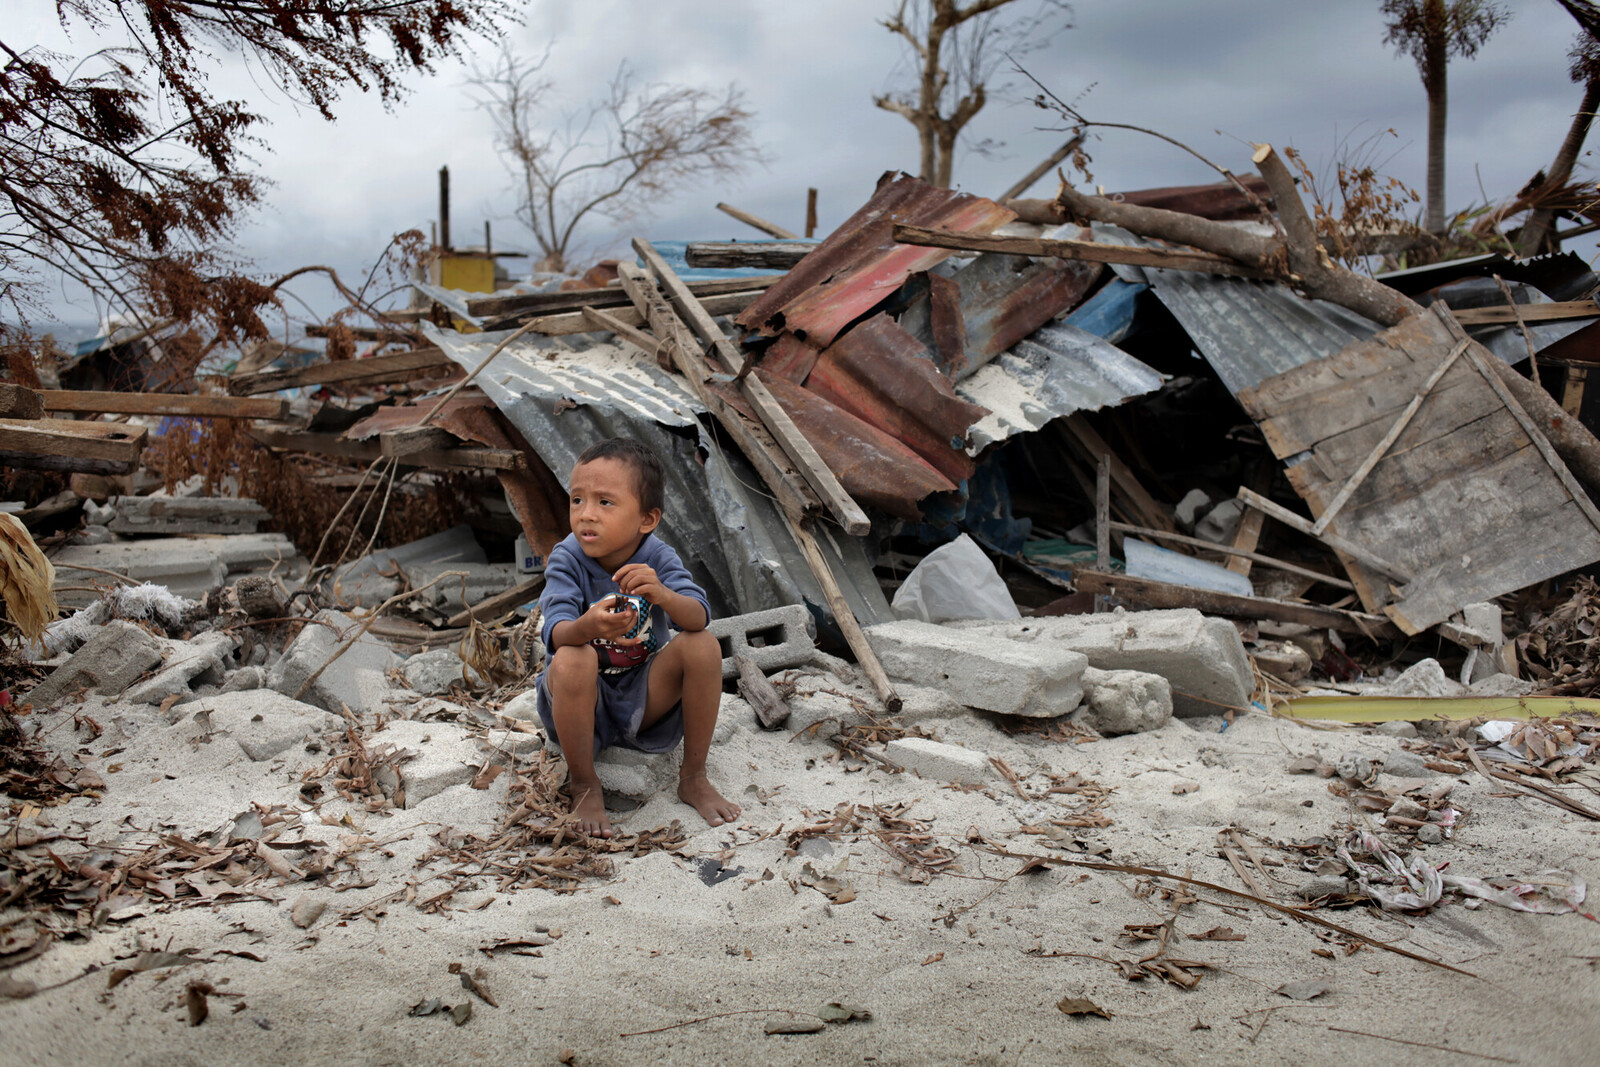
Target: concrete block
pixel 358 679
pixel 524 706
pixel 111 659
pixel 1126 702
pixel 446 756
pixel 483 580
pixel 162 516
pixel 995 673
pixel 187 568
pixel 942 762
pixel 1202 658
pixel 245 679
pixel 773 639
pixel 249 553
pixel 202 660
pixel 1425 678
pixel 265 724
pixel 436 670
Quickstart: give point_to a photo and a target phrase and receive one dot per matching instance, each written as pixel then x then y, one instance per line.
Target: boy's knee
pixel 701 649
pixel 574 663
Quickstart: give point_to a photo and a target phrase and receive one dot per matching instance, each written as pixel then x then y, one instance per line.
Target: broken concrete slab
pixel 436 670
pixel 939 761
pixel 482 581
pixel 111 659
pixel 265 724
pixel 983 669
pixel 772 639
pixel 446 755
pixel 202 660
pixel 163 516
pixel 361 583
pixel 1126 702
pixel 1203 658
pixel 188 569
pixel 357 679
pixel 257 552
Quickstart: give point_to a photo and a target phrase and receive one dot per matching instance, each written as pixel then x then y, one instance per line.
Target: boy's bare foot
pixel 697 791
pixel 589 805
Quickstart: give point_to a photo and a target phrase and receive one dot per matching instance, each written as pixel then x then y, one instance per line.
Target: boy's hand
pixel 603 623
pixel 638 579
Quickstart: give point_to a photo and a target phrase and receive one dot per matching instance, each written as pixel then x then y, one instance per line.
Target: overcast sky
pixel 1215 74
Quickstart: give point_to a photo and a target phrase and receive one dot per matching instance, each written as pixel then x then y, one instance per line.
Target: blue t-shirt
pixel 573 581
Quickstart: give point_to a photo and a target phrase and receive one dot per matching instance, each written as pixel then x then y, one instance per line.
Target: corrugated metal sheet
pixel 881 374
pixel 718 516
pixel 1247 330
pixel 1003 299
pixel 860 265
pixel 1059 370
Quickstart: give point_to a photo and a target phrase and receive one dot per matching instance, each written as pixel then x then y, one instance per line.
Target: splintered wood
pixel 1468 497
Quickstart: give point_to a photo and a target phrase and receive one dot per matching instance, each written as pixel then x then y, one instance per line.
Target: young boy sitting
pixel 613 677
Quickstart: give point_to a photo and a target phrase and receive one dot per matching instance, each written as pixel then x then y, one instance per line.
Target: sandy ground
pixel 959 969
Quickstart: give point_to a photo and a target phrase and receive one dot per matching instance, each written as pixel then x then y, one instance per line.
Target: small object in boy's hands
pixel 615 658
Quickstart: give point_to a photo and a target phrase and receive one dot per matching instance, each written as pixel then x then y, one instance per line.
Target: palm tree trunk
pixel 1436 62
pixel 1537 232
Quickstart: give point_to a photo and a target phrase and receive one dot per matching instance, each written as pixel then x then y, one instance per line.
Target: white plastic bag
pixel 954 581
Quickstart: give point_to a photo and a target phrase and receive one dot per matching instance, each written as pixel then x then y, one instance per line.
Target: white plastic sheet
pixel 954 581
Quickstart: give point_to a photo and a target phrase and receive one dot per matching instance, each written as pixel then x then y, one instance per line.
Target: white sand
pixel 675 949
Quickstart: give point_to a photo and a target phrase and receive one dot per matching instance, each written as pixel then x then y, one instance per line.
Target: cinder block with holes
pixel 773 639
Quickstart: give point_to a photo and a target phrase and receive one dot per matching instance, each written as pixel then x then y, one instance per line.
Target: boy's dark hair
pixel 647 471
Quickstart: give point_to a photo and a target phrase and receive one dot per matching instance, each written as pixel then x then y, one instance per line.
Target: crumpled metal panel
pixel 882 375
pixel 860 265
pixel 1004 298
pixel 718 516
pixel 873 466
pixel 1059 370
pixel 1247 330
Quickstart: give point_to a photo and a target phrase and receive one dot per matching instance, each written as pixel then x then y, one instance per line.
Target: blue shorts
pixel 619 708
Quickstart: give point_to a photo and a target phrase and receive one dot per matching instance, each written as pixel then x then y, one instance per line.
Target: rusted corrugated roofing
pixel 881 374
pixel 860 264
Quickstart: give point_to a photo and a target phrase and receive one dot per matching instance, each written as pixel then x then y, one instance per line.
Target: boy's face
pixel 605 512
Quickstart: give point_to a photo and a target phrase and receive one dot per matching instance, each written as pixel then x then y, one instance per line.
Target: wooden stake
pixel 811 212
pixel 846 618
pixel 770 709
pixel 754 220
pixel 1102 514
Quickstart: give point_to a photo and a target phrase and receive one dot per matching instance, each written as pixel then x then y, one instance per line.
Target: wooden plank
pixel 793 494
pixel 489 307
pixel 366 333
pixel 344 370
pixel 1388 439
pixel 499 604
pixel 1355 551
pixel 330 444
pixel 1145 592
pixel 194 406
pixel 816 473
pixel 770 228
pixel 1572 393
pixel 71 445
pixel 1102 513
pixel 1090 251
pixel 1502 315
pixel 20 402
pixel 777 255
pixel 1227 550
pixel 576 322
pixel 1247 535
pixel 646 343
pixel 845 617
pixel 1150 512
pixel 412 440
pixel 770 709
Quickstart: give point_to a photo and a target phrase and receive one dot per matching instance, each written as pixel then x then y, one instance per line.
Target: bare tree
pixel 955 52
pixel 125 172
pixel 615 157
pixel 1431 32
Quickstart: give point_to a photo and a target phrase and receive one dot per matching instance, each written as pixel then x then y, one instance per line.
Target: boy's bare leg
pixel 574 682
pixel 689 668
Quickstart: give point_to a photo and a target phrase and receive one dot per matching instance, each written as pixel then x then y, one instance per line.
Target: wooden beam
pixel 769 228
pixel 410 441
pixel 331 444
pixel 777 421
pixel 793 494
pixel 1090 251
pixel 1102 513
pixel 497 605
pixel 1503 315
pixel 1333 541
pixel 1153 514
pixel 1212 546
pixel 71 445
pixel 644 342
pixel 1145 592
pixel 770 709
pixel 577 322
pixel 845 617
pixel 609 297
pixel 366 333
pixel 1026 181
pixel 181 404
pixel 20 402
pixel 1248 533
pixel 368 370
pixel 777 255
